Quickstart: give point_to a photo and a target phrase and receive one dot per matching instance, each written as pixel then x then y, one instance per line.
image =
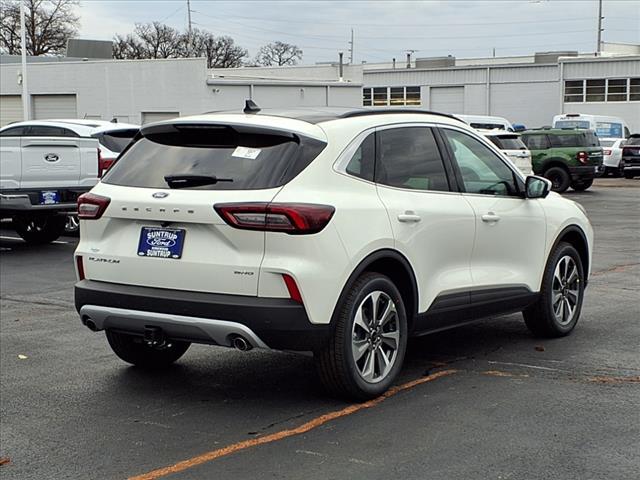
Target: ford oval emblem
pixel 160 195
pixel 51 157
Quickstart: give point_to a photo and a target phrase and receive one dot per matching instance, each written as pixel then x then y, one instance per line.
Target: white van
pixel 606 127
pixel 486 122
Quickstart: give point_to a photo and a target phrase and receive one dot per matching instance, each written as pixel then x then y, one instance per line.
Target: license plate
pixel 161 242
pixel 49 197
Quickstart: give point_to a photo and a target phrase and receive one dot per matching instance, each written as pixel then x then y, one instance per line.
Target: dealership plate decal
pixel 161 242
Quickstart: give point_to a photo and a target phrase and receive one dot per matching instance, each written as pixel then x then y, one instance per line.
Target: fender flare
pixel 385 253
pixel 573 229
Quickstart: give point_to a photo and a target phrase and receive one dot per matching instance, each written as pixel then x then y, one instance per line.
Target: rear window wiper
pixel 184 181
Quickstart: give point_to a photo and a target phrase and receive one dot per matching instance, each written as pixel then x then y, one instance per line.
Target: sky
pixel 382 29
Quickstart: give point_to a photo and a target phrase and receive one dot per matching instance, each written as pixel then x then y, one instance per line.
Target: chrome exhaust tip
pixel 241 343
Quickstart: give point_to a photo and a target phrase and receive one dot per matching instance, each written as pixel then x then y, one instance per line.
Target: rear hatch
pixel 514 148
pixel 153 235
pixel 584 143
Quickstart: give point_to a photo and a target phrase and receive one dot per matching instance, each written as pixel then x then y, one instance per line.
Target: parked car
pixel 606 127
pixel 45 167
pixel 568 157
pixel 631 156
pixel 487 122
pixel 512 146
pixel 612 156
pixel 326 230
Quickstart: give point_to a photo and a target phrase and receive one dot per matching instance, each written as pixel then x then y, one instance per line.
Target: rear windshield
pixel 488 126
pixel 581 139
pixel 250 159
pixel 571 124
pixel 116 141
pixel 505 142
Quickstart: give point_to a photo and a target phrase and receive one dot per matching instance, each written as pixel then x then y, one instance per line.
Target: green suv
pixel 567 157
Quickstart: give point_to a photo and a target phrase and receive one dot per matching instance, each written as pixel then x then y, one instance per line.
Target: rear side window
pixel 361 164
pixel 251 159
pixel 507 142
pixel 409 158
pixel 536 142
pixel 582 139
pixel 117 140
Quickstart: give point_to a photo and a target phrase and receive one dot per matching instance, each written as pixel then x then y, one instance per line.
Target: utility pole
pixel 190 50
pixel 600 17
pixel 23 46
pixel 351 49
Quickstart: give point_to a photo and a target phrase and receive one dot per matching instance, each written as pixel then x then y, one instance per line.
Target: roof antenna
pixel 114 120
pixel 250 107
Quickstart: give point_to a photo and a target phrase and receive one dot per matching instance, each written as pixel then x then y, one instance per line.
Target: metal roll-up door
pixel 54 106
pixel 149 117
pixel 10 109
pixel 447 99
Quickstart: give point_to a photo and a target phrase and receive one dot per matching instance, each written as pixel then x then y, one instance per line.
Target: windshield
pixel 571 124
pixel 508 142
pixel 605 129
pixel 250 160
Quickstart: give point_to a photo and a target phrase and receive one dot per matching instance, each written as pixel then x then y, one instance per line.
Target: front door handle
pixel 490 217
pixel 409 217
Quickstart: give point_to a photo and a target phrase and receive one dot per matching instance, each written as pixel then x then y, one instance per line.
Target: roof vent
pixel 250 107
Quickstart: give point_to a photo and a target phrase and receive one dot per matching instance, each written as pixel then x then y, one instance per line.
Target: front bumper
pixel 278 323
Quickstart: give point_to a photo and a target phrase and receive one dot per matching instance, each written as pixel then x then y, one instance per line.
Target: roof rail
pixel 364 112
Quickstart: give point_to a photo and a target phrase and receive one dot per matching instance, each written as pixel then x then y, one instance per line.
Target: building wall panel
pixel 533 104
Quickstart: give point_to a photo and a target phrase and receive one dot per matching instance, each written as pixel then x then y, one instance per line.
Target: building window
pixel 391 96
pixel 595 90
pixel 634 89
pixel 617 90
pixel 574 91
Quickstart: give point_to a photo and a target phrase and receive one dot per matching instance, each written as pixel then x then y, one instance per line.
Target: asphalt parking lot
pixel 484 401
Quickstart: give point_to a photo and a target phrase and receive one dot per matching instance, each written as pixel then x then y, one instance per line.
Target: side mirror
pixel 537 187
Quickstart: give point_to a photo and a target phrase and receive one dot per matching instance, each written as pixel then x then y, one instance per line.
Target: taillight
pixel 104 164
pixel 291 218
pixel 582 157
pixel 606 152
pixel 92 206
pixel 292 287
pixel 80 266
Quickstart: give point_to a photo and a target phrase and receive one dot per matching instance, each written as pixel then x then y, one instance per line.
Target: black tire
pixel 39 229
pixel 628 175
pixel 540 317
pixel 582 185
pixel 132 349
pixel 337 368
pixel 559 177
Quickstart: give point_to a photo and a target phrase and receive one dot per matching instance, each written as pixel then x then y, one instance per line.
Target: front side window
pixel 409 158
pixel 362 162
pixel 482 171
pixel 13 132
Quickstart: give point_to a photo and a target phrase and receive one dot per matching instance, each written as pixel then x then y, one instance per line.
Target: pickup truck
pixel 44 167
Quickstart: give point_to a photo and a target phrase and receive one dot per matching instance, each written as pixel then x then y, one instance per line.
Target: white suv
pixel 334 231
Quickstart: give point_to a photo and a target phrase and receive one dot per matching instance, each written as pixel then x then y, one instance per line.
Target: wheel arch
pixel 575 236
pixel 555 162
pixel 395 266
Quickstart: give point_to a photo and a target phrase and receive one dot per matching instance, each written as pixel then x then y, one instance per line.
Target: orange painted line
pixel 274 437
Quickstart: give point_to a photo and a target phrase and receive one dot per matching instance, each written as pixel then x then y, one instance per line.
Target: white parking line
pixel 4 237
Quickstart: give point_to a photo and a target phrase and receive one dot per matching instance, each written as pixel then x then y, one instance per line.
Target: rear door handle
pixel 490 217
pixel 409 217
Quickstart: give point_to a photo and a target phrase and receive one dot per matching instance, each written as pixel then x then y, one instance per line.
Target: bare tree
pixel 158 40
pixel 49 24
pixel 221 52
pixel 128 47
pixel 278 53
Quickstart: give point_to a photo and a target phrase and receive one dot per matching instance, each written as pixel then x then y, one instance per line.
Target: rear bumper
pixel 27 201
pixel 198 317
pixel 585 172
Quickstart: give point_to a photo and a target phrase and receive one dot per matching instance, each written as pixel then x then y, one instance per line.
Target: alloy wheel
pixel 565 291
pixel 375 337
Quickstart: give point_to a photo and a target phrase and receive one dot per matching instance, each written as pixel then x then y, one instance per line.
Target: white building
pixel 525 89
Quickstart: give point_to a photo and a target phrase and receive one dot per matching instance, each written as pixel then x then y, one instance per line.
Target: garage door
pixel 148 117
pixel 447 99
pixel 54 106
pixel 10 109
